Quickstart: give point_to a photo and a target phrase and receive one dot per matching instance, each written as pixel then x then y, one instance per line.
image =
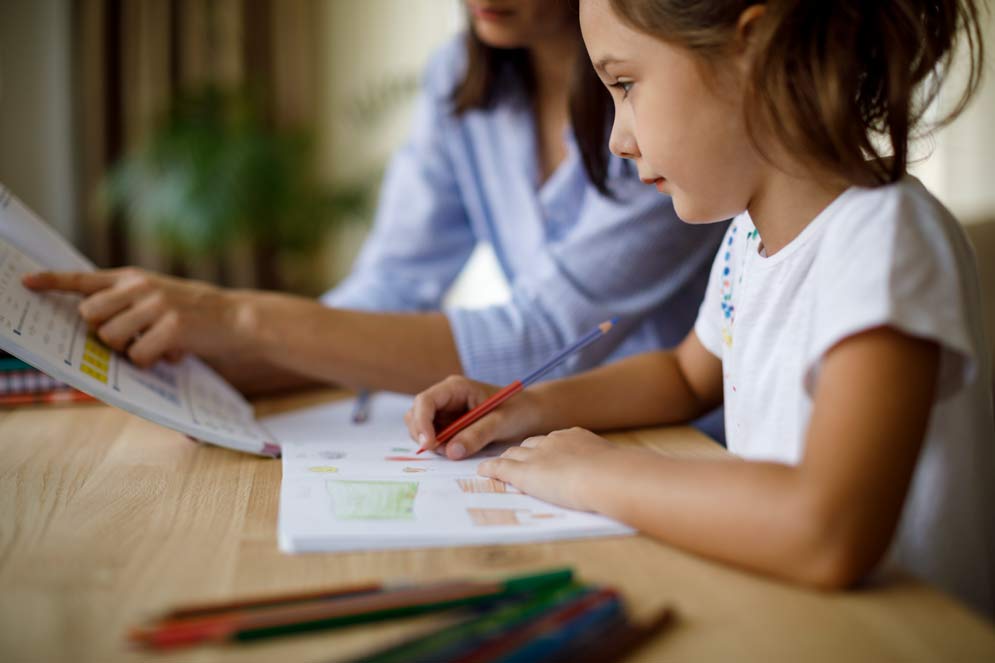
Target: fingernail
pixel 457 450
pixel 422 439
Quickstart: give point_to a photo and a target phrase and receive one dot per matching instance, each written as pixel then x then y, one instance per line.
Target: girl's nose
pixel 622 143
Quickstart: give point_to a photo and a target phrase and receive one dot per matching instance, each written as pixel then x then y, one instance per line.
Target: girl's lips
pixel 660 182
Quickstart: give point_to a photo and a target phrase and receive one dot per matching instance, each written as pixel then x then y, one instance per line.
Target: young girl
pixel 841 325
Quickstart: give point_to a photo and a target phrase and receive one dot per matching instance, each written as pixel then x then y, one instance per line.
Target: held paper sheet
pixel 45 330
pixel 361 487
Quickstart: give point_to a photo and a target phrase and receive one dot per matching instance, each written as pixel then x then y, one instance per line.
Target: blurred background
pixel 242 141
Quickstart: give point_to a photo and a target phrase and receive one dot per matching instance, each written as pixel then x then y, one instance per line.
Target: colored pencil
pixel 260 602
pixel 329 613
pixel 543 637
pixel 10 363
pixel 459 639
pixel 518 385
pixel 618 641
pixel 361 408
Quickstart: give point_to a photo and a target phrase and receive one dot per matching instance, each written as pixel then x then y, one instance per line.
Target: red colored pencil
pixel 507 392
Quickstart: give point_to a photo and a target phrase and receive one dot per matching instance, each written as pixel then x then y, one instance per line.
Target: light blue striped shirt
pixel 573 258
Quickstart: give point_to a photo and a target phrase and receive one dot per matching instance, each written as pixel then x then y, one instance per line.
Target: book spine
pixel 54 397
pixel 27 382
pixel 14 364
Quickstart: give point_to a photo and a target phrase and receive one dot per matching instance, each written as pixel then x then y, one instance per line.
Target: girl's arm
pixel 643 390
pixel 824 523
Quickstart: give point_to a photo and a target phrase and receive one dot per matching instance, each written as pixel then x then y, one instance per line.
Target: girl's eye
pixel 624 86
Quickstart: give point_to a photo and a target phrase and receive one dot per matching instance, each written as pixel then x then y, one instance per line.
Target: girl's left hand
pixel 560 467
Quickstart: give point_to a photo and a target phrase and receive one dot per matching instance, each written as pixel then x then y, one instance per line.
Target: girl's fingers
pixel 502 469
pixel 85 283
pixel 517 453
pixel 532 442
pixel 476 436
pixel 450 394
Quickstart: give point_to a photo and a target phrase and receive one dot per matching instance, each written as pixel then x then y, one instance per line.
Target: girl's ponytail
pixel 847 82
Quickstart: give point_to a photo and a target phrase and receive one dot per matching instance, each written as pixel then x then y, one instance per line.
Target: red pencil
pixel 507 392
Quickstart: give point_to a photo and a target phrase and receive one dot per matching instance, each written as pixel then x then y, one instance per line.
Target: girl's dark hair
pixel 830 80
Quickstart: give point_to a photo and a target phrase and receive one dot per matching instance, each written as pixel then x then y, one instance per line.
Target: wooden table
pixel 107 518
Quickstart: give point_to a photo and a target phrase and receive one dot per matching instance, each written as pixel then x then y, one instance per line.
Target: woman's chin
pixel 499 37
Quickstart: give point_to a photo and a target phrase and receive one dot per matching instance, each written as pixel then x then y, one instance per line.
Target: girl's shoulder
pixel 903 213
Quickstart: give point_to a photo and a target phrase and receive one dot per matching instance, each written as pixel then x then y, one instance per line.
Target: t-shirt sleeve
pixel 713 313
pixel 897 260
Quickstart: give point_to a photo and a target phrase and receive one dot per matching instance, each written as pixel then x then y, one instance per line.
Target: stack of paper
pixel 360 486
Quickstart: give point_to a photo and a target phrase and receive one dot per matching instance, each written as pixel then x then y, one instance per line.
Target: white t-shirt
pixel 891 256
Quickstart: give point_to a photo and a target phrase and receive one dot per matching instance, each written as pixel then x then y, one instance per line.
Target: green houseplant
pixel 214 173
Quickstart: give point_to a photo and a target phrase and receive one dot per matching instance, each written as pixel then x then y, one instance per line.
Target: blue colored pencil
pixel 361 409
pixel 516 386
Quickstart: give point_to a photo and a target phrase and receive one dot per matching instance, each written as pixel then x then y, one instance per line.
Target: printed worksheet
pixel 353 486
pixel 45 330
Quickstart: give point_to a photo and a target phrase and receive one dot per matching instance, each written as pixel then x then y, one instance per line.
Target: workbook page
pixel 353 486
pixel 45 330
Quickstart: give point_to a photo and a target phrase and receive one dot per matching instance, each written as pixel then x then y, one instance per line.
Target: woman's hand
pixel 444 402
pixel 150 316
pixel 561 467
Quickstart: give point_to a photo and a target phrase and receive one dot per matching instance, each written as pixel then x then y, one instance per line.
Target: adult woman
pixel 490 159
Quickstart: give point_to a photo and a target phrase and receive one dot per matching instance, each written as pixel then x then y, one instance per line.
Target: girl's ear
pixel 746 31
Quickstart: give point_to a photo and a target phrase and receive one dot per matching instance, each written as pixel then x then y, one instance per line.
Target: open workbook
pixel 45 330
pixel 363 487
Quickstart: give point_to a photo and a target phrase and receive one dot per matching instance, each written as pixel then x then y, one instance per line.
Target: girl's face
pixel 518 23
pixel 684 131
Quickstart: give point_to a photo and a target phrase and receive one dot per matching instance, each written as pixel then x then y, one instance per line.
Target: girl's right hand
pixel 444 402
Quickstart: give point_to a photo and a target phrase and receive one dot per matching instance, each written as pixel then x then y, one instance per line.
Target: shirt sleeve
pixel 421 236
pixel 628 257
pixel 900 262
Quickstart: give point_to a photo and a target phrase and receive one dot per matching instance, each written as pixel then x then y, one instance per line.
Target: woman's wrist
pixel 248 322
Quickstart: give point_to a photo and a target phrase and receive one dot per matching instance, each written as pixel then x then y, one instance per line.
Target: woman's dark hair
pixel 829 79
pixel 485 66
pixel 591 115
pixel 590 103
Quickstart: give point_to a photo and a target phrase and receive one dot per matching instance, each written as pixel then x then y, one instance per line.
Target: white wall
pixel 36 155
pixel 364 43
pixel 959 164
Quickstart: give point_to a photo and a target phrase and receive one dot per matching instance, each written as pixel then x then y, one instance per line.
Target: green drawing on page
pixel 373 500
